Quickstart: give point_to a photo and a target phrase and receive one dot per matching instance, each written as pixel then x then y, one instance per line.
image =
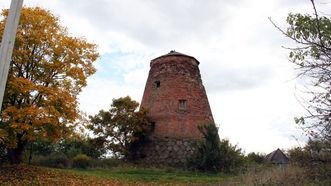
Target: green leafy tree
pixel 312 55
pixel 70 147
pixel 231 156
pixel 42 147
pixel 92 147
pixel 208 153
pixel 213 154
pixel 48 70
pixel 255 157
pixel 123 127
pixel 299 156
pixel 315 158
pixel 312 34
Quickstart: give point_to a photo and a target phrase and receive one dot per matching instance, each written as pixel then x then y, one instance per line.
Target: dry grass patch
pixel 290 175
pixel 12 175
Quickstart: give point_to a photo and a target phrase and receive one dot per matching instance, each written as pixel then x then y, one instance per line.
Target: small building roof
pixel 175 53
pixel 277 156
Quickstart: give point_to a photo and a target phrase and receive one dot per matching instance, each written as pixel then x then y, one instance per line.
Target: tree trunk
pixel 15 155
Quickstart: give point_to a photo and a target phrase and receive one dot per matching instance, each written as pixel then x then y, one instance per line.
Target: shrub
pixel 42 147
pixel 56 160
pixel 81 161
pixel 213 155
pixel 207 156
pixel 299 156
pixel 232 158
pixel 105 163
pixel 275 175
pixel 315 158
pixel 255 157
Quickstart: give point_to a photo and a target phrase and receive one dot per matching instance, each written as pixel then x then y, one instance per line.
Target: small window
pixel 182 104
pixel 152 126
pixel 157 84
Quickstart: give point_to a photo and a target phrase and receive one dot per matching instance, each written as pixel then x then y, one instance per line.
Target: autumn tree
pixel 123 127
pixel 48 70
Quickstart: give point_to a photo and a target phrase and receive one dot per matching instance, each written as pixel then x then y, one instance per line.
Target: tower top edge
pixel 174 53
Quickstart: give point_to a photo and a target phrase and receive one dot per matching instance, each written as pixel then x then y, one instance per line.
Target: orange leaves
pixel 49 68
pixel 16 175
pixel 75 72
pixel 21 85
pixel 34 122
pixel 47 118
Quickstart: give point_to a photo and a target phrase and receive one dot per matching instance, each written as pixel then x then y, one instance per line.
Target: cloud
pixel 148 24
pixel 259 119
pixel 152 22
pixel 244 69
pixel 100 92
pixel 237 78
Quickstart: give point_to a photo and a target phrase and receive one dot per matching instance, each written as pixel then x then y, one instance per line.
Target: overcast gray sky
pixel 249 81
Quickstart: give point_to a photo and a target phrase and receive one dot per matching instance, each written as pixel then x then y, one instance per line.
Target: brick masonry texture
pixel 168 151
pixel 177 103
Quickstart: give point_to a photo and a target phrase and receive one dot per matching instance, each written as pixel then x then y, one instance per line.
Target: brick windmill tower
pixel 177 103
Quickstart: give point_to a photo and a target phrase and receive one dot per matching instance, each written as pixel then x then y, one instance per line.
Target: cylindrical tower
pixel 177 103
pixel 175 96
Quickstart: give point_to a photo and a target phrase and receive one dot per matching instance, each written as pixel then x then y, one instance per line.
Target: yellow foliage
pixel 49 67
pixel 3 135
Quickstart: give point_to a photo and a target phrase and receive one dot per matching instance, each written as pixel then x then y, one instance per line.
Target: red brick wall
pixel 180 79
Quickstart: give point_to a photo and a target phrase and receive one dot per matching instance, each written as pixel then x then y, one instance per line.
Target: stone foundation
pixel 167 151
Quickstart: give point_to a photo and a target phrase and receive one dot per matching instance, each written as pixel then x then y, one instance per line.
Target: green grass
pixel 12 175
pixel 154 175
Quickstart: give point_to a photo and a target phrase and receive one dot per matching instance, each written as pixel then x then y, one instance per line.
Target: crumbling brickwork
pixel 176 100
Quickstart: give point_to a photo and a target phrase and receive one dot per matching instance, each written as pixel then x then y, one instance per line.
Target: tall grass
pixel 276 175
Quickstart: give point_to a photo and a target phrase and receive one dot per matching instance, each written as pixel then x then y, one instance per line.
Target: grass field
pixel 17 175
pixel 156 176
pixel 32 175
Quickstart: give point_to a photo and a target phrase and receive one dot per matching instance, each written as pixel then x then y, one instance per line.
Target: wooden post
pixel 7 43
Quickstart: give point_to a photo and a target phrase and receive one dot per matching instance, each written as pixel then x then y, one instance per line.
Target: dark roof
pixel 174 53
pixel 277 156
